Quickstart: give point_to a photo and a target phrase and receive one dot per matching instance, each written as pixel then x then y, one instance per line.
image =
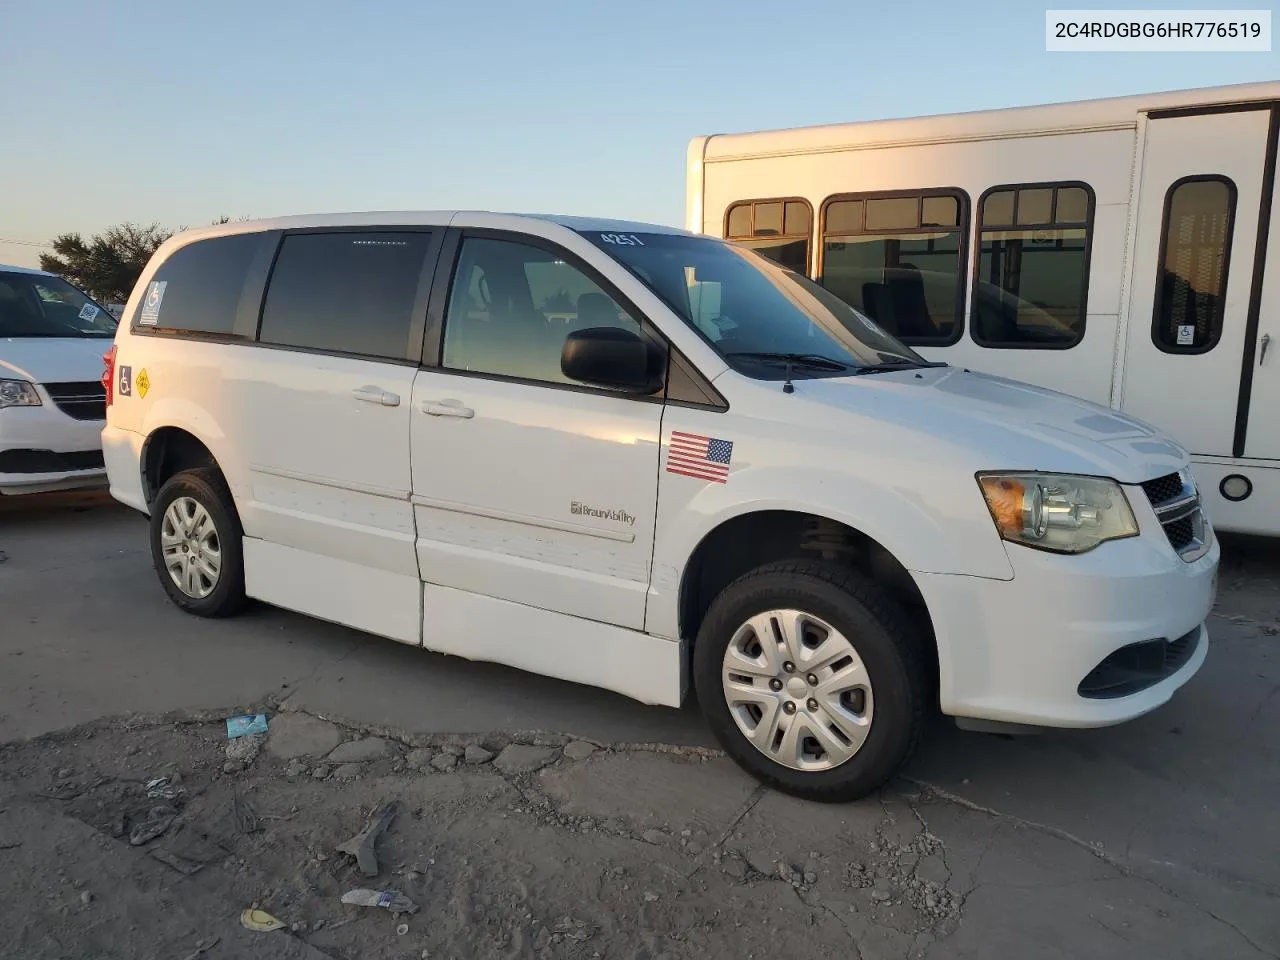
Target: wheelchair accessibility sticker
pixel 151 303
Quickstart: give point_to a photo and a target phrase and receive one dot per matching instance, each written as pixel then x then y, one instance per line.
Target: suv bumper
pixel 1038 649
pixel 122 450
pixel 41 448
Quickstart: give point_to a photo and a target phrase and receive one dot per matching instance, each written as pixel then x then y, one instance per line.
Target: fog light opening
pixel 1235 487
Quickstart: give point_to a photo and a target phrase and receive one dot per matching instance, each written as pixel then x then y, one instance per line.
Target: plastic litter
pixel 260 921
pixel 157 821
pixel 164 788
pixel 402 929
pixel 361 846
pixel 392 900
pixel 245 725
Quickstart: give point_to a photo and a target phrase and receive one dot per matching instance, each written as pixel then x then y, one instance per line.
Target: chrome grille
pixel 1176 503
pixel 83 400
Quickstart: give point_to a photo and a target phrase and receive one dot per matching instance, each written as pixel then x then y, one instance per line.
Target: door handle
pixel 372 394
pixel 447 408
pixel 1262 353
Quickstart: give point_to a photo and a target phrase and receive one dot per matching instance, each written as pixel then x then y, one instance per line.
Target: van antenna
pixel 788 387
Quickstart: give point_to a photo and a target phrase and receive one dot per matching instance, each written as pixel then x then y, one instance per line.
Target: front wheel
pixel 811 679
pixel 195 543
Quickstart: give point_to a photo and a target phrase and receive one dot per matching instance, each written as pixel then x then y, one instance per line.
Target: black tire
pixel 890 650
pixel 208 488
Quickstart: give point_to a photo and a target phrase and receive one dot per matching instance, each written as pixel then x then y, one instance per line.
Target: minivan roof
pixel 6 268
pixel 407 218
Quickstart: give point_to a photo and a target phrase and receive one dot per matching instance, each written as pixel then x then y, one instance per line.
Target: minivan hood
pixel 52 359
pixel 1008 424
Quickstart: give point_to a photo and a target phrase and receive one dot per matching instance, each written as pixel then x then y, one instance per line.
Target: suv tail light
pixel 109 373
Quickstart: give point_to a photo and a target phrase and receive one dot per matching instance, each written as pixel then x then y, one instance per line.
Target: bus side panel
pixel 1101 158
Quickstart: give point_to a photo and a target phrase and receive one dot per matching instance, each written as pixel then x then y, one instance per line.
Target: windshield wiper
pixel 888 366
pixel 813 361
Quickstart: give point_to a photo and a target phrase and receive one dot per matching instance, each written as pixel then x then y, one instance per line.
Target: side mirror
pixel 613 358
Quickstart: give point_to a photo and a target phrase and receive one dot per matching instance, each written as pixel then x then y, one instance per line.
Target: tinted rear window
pixel 350 292
pixel 198 288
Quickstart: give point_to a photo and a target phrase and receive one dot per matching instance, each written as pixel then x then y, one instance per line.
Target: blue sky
pixel 178 113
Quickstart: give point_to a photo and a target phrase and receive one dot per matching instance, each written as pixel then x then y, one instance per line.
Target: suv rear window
pixel 197 290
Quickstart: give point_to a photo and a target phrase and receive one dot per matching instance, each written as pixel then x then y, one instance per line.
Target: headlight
pixel 18 393
pixel 1057 512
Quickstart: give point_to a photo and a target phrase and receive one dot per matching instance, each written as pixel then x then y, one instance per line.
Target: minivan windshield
pixel 766 321
pixel 40 305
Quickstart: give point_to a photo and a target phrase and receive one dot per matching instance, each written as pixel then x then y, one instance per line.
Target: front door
pixel 1261 431
pixel 1198 214
pixel 526 486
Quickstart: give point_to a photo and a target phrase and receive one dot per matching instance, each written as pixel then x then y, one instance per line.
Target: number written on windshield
pixel 622 239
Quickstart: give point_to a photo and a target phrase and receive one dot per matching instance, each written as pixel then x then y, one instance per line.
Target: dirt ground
pixel 507 849
pixel 1154 839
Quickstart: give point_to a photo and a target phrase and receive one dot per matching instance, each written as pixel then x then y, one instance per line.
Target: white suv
pixel 633 457
pixel 52 405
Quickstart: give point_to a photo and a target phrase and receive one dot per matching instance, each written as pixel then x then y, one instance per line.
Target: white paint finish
pixel 122 452
pixel 52 359
pixel 1263 437
pixel 513 575
pixel 1257 513
pixel 477 627
pixel 40 360
pixel 508 478
pixel 1015 651
pixel 1084 371
pixel 1035 121
pixel 327 472
pixel 893 455
pixel 1099 159
pixel 1114 147
pixel 338 590
pixel 1194 396
pixel 506 516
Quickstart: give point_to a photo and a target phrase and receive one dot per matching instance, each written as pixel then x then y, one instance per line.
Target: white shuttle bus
pixel 1112 249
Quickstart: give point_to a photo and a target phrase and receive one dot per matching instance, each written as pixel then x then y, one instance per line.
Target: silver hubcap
pixel 797 690
pixel 191 548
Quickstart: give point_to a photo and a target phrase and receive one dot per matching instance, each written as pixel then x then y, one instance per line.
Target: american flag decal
pixel 705 458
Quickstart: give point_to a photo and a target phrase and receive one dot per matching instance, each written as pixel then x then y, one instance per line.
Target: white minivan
pixel 633 457
pixel 52 404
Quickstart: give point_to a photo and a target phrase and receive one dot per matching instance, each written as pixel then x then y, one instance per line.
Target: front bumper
pixel 1016 651
pixel 41 448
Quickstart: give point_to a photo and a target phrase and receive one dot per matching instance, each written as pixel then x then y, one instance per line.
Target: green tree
pixel 106 265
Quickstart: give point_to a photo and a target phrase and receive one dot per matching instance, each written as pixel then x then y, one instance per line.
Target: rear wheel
pixel 811 679
pixel 195 543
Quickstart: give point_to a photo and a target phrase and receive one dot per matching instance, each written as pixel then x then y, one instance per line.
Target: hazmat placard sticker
pixel 142 382
pixel 150 315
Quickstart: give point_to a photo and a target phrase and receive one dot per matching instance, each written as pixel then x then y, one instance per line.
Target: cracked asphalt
pixel 1158 838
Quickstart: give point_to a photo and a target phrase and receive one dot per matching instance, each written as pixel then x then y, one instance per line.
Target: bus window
pixel 900 259
pixel 1195 244
pixel 1031 288
pixel 777 229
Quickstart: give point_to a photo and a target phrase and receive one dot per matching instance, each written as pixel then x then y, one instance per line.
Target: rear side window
pixel 197 290
pixel 778 229
pixel 1195 245
pixel 1032 287
pixel 351 292
pixel 900 259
